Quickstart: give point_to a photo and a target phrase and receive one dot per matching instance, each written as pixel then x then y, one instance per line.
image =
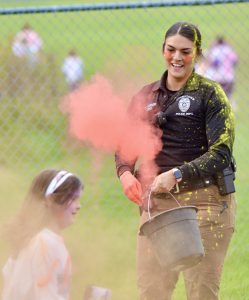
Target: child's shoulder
pixel 46 240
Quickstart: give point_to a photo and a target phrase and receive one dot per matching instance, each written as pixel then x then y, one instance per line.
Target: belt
pixel 199 183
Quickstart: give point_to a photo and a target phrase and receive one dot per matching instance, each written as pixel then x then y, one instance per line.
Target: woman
pixel 196 122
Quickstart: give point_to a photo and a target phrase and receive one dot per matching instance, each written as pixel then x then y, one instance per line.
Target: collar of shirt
pixel 191 85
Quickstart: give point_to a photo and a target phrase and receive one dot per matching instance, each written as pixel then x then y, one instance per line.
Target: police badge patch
pixel 184 103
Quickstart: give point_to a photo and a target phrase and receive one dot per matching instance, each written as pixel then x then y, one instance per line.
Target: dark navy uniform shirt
pixel 197 126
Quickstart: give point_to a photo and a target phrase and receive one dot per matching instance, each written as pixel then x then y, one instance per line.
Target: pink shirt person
pixel 220 62
pixel 27 43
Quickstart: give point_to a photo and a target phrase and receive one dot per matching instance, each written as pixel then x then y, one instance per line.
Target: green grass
pixel 120 44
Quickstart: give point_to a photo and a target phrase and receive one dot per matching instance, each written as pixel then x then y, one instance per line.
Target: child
pixel 28 44
pixel 73 70
pixel 39 266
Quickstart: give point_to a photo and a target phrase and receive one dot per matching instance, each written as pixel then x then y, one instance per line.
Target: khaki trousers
pixel 216 217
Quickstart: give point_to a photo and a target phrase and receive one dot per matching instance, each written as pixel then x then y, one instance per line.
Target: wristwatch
pixel 178 174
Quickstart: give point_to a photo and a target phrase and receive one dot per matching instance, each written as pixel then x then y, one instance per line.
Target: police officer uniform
pixel 197 134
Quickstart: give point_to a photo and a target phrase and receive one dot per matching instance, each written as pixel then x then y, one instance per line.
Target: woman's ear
pixel 163 46
pixel 200 54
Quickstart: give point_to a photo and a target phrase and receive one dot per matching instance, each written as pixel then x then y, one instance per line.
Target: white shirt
pixel 41 271
pixel 73 69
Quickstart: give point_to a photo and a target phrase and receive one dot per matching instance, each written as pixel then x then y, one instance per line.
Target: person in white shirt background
pixel 39 266
pixel 73 68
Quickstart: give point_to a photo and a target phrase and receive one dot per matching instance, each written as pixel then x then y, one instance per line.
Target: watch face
pixel 177 174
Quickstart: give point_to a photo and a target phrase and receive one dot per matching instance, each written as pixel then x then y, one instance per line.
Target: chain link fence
pixel 121 42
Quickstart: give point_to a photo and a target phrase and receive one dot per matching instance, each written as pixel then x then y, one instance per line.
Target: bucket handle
pixel 149 202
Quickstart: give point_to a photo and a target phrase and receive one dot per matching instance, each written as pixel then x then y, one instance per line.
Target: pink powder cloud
pixel 98 115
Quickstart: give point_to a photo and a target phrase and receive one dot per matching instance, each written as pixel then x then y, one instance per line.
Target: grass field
pixel 120 44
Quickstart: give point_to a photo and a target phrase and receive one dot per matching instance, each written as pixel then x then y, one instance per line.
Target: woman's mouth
pixel 177 67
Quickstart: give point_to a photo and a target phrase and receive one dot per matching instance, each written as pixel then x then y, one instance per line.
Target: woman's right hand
pixel 164 182
pixel 131 187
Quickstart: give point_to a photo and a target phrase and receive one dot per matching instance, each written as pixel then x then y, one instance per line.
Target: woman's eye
pixel 170 50
pixel 186 52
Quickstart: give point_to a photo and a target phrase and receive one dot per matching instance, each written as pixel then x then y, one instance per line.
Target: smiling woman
pixel 194 117
pixel 180 50
pixel 39 266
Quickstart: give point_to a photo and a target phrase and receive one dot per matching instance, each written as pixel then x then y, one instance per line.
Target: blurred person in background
pixel 27 44
pixel 39 266
pixel 197 134
pixel 73 68
pixel 219 64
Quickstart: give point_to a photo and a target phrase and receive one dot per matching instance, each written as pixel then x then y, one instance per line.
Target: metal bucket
pixel 175 237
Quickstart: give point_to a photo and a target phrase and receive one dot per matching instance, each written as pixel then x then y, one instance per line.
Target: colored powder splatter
pixel 98 115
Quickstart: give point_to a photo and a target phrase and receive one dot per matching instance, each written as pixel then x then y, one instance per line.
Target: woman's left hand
pixel 164 182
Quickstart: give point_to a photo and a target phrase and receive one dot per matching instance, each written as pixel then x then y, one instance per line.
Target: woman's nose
pixel 177 55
